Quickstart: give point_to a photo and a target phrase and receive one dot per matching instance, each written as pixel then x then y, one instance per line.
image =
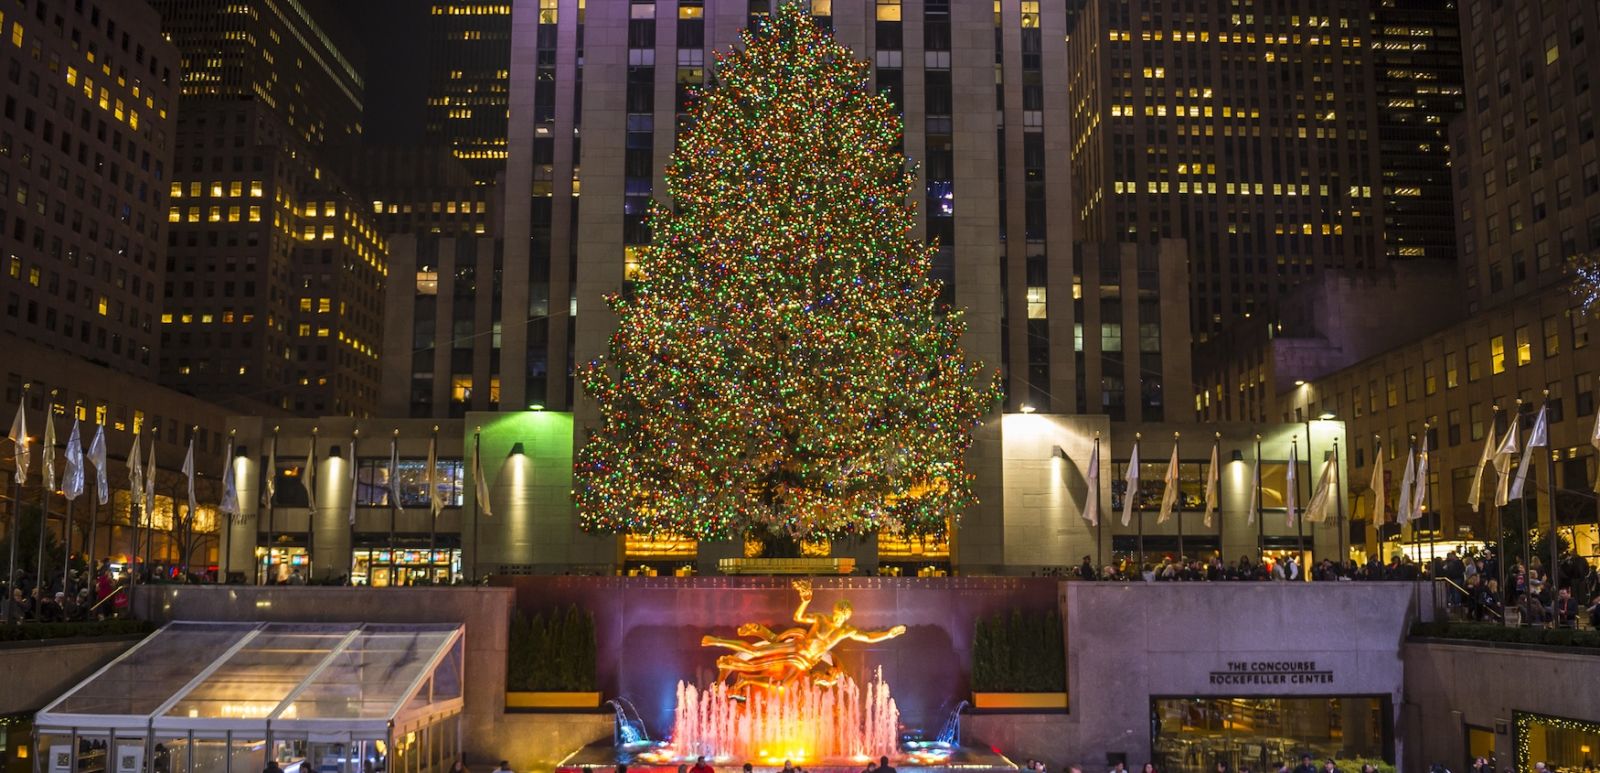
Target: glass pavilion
pixel 227 697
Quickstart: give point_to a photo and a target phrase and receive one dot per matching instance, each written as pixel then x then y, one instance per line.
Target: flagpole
pixel 227 469
pixel 48 449
pixel 94 520
pixel 1138 508
pixel 1554 570
pixel 1178 503
pixel 1261 520
pixel 1434 520
pixel 16 506
pixel 394 578
pixel 433 523
pixel 1338 504
pixel 311 512
pixel 477 507
pixel 1100 522
pixel 355 480
pixel 1499 522
pixel 271 513
pixel 1216 448
pixel 1300 523
pixel 1527 536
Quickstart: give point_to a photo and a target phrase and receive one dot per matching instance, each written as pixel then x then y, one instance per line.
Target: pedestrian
pixel 788 767
pixel 872 767
pixel 1120 767
pixel 1149 767
pixel 1329 767
pixel 1305 765
pixel 700 766
pixel 884 766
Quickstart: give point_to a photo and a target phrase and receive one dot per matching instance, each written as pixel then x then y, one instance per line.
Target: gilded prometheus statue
pixel 772 661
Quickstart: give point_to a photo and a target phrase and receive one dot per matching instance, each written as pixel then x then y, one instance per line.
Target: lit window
pixel 255 214
pixel 236 188
pixel 255 189
pixel 1497 354
pixel 177 190
pixel 1524 347
pixel 103 306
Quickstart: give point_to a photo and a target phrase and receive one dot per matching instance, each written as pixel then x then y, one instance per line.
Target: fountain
pixel 779 696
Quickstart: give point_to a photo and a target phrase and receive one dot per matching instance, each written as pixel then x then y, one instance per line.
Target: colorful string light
pixel 782 364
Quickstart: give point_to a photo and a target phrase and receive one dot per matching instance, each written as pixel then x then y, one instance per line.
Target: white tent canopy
pixel 270 680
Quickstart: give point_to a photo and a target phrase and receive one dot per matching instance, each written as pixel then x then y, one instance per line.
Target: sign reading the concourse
pixel 1272 672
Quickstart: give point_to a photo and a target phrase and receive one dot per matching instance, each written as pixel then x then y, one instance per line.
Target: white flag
pixel 24 444
pixel 1169 494
pixel 150 486
pixel 188 474
pixel 482 485
pixel 1132 490
pixel 1594 440
pixel 1419 496
pixel 1091 509
pixel 1292 485
pixel 1255 489
pixel 1475 496
pixel 269 480
pixel 1317 508
pixel 1539 438
pixel 434 500
pixel 229 506
pixel 394 474
pixel 1503 457
pixel 1378 493
pixel 308 477
pixel 72 485
pixel 49 449
pixel 1211 482
pixel 355 481
pixel 1403 512
pixel 135 477
pixel 97 457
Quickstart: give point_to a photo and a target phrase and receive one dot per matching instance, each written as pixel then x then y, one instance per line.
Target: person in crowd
pixel 1086 569
pixel 1482 765
pixel 1148 767
pixel 50 608
pixel 1329 767
pixel 872 767
pixel 1305 765
pixel 1565 608
pixel 1120 767
pixel 1222 767
pixel 884 766
pixel 1367 767
pixel 700 766
pixel 505 767
pixel 272 767
pixel 460 765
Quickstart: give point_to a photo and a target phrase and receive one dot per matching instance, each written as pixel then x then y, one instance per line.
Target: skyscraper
pixel 275 268
pixel 1247 129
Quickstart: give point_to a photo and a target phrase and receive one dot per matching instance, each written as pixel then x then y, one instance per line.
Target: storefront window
pixel 1193 734
pixel 1558 742
pixel 372 482
pixel 380 567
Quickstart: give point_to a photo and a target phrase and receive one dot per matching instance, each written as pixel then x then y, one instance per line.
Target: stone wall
pixel 36 673
pixel 1451 686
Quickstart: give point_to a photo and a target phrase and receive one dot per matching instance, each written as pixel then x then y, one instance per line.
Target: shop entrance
pixel 1191 735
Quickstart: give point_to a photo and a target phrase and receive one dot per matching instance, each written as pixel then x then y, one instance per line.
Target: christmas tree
pixel 783 367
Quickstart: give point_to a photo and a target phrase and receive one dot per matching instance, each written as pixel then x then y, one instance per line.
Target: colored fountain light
pixel 780 696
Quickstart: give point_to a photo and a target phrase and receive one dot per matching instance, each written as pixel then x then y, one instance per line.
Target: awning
pixel 306 680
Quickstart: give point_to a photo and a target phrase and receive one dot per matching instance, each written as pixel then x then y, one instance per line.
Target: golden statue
pixel 774 660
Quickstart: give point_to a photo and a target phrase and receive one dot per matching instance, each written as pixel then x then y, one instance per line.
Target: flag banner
pixel 49 449
pixel 1475 496
pixel 394 474
pixel 150 485
pixel 1131 492
pixel 308 477
pixel 1403 513
pixel 1594 440
pixel 1419 492
pixel 1317 508
pixel 1292 485
pixel 188 474
pixel 1255 490
pixel 355 480
pixel 1211 482
pixel 1539 438
pixel 72 485
pixel 1169 494
pixel 269 487
pixel 135 476
pixel 97 457
pixel 435 501
pixel 19 438
pixel 1091 508
pixel 1377 485
pixel 1503 457
pixel 482 485
pixel 229 506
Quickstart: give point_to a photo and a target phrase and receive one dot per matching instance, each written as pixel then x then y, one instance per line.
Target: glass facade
pixel 1558 742
pixel 1191 735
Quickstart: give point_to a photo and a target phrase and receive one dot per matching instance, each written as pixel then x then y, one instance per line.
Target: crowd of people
pixel 77 596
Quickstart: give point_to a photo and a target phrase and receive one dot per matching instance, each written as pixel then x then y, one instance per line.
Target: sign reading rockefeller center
pixel 1271 672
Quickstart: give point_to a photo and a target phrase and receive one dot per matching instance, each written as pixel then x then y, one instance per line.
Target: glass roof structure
pixel 286 679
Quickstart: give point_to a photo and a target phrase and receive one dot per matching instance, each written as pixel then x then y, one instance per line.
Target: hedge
pixel 1489 632
pixel 555 653
pixel 1022 652
pixel 43 631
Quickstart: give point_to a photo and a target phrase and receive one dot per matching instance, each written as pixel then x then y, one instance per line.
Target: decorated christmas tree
pixel 783 368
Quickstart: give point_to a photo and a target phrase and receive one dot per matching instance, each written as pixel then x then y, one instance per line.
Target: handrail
pixel 109 596
pixel 1466 593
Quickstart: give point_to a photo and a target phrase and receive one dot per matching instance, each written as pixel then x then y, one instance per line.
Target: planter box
pixel 552 700
pixel 1020 701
